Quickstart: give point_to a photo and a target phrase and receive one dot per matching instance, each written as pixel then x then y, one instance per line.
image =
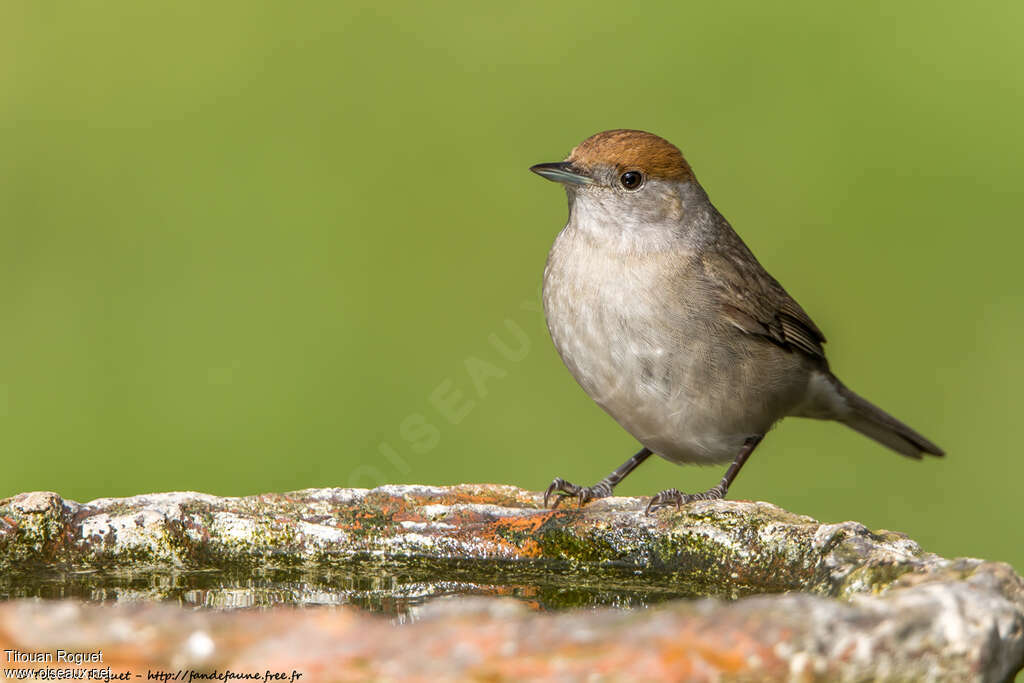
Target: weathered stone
pixel 869 605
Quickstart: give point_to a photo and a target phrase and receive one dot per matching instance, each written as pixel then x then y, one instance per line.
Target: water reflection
pixel 394 594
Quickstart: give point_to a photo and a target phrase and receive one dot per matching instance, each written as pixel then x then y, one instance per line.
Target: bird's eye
pixel 631 179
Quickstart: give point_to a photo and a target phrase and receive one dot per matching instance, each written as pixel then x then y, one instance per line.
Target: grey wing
pixel 756 303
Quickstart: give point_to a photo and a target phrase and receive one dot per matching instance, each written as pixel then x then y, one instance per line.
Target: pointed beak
pixel 562 172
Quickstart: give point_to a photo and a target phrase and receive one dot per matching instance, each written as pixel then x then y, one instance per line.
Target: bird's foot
pixel 675 497
pixel 562 489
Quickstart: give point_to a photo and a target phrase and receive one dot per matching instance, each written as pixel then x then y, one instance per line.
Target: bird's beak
pixel 562 172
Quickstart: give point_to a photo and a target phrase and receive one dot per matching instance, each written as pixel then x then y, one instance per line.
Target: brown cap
pixel 632 150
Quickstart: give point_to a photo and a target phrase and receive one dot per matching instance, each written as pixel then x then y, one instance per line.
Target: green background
pixel 243 245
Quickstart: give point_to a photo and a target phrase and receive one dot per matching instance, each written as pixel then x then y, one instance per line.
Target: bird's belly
pixel 676 411
pixel 685 395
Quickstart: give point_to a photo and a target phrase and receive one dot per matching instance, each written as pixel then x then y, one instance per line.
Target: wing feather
pixel 756 303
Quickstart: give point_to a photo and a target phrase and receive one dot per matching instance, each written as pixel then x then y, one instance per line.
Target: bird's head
pixel 627 186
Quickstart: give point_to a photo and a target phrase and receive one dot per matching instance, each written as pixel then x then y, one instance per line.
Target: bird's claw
pixel 675 497
pixel 562 489
pixel 666 498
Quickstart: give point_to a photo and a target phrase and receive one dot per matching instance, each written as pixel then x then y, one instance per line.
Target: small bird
pixel 669 323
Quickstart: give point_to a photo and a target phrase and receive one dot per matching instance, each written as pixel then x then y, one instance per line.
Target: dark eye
pixel 631 179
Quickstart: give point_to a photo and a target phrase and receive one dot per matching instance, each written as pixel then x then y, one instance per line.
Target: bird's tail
pixel 875 423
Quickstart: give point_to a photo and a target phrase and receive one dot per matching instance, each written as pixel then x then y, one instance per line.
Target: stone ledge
pixel 849 602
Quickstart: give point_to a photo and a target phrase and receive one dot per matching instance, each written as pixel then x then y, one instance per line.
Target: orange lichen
pixel 516 533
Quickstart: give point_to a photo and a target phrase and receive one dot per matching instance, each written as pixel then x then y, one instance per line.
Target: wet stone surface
pixel 825 600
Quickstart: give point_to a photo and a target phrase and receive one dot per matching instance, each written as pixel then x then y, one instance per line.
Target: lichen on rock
pixel 825 596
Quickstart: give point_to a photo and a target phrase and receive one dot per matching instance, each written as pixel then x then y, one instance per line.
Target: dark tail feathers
pixel 879 425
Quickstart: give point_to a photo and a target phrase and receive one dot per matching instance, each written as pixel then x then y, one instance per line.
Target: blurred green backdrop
pixel 259 247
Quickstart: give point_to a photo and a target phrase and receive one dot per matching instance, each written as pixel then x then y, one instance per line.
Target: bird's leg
pixel 602 489
pixel 674 497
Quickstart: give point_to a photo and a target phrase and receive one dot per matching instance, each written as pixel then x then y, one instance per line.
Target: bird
pixel 669 323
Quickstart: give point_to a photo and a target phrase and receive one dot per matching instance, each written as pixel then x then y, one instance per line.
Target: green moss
pixel 33 538
pixel 869 579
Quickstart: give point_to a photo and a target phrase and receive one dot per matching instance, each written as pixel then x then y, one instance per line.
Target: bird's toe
pixel 561 489
pixel 666 498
